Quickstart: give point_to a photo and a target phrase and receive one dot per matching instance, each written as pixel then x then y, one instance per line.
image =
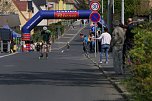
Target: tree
pixel 105 6
pixel 140 64
pixel 83 4
pixel 130 8
pixel 6 6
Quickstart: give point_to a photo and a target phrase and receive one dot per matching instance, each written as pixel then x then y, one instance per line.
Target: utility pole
pixel 102 8
pixel 102 15
pixel 110 15
pixel 122 12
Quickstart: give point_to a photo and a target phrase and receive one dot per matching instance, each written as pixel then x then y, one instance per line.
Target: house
pixel 28 8
pixel 60 5
pixel 8 15
pixel 35 6
pixel 70 5
pixel 21 10
pixel 12 20
pixel 52 5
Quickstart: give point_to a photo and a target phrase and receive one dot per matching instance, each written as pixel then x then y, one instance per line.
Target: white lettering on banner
pixel 65 11
pixel 33 22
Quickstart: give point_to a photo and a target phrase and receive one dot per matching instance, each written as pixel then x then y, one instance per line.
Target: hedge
pixel 140 82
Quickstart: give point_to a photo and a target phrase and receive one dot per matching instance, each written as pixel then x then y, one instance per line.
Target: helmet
pixel 44 28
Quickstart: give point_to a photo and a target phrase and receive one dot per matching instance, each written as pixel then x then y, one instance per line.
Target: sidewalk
pixel 68 36
pixel 108 71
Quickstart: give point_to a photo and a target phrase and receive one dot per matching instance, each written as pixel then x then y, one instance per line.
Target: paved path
pixel 68 36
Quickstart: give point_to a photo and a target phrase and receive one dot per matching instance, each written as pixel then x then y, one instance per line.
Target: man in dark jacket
pixel 129 34
pixel 129 38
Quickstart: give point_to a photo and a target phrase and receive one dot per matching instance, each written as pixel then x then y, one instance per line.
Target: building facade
pixel 26 9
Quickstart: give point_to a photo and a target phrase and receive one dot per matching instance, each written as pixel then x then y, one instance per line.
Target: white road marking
pixel 70 34
pixel 60 42
pixel 66 37
pixel 8 55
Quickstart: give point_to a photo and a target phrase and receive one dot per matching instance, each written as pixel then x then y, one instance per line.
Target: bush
pixel 140 83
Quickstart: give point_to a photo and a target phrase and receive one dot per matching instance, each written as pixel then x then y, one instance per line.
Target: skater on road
pixel 45 34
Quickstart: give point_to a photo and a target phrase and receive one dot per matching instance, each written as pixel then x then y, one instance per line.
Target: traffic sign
pixel 95 6
pixel 95 17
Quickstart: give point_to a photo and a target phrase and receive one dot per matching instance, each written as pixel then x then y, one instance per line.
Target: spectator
pixel 12 46
pixel 92 42
pixel 85 44
pixel 92 30
pixel 99 41
pixel 129 37
pixel 105 44
pixel 117 46
pixel 81 35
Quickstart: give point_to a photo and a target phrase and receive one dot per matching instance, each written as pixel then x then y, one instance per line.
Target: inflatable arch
pixel 51 14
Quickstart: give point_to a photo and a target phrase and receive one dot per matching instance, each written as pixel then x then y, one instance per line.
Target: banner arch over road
pixel 52 14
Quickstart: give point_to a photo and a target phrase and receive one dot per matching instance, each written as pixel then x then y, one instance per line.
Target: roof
pixel 56 1
pixel 22 5
pixel 11 20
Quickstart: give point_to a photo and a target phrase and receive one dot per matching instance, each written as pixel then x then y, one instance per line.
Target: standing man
pixel 85 44
pixel 105 44
pixel 93 29
pixel 117 46
pixel 129 37
pixel 45 34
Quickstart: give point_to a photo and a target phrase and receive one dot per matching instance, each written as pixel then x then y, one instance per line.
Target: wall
pixel 21 15
pixel 43 22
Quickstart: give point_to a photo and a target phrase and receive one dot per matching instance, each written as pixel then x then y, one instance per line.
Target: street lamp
pixel 110 14
pixel 102 14
pixel 122 11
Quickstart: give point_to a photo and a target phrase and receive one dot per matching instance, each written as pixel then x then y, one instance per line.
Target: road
pixel 64 76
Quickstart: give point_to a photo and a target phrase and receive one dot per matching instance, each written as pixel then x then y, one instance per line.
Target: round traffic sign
pixel 95 17
pixel 94 6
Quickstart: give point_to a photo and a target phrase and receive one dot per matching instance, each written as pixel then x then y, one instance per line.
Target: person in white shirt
pixel 105 43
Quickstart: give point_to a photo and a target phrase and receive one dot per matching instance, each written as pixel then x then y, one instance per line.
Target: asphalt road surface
pixel 67 75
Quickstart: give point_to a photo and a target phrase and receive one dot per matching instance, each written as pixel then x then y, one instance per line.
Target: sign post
pixel 95 17
pixel 95 6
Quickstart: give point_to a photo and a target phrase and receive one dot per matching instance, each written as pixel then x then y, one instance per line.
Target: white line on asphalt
pixel 66 37
pixel 69 34
pixel 8 55
pixel 60 42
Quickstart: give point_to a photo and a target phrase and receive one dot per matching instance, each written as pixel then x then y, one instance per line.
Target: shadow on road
pixel 77 77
